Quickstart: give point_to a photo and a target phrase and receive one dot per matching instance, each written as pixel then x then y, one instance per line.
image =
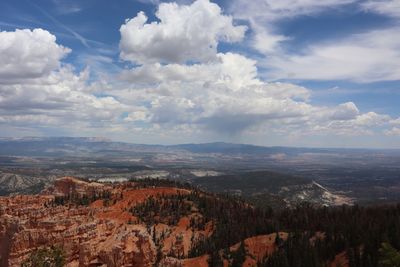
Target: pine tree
pixel 215 260
pixel 239 256
pixel 390 257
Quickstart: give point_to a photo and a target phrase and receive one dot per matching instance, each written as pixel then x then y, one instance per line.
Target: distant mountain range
pixel 95 146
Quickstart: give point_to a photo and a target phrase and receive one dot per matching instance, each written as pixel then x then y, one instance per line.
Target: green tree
pixel 390 257
pixel 215 259
pixel 45 257
pixel 239 256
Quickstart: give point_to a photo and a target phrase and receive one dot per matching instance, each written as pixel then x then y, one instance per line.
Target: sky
pixel 306 73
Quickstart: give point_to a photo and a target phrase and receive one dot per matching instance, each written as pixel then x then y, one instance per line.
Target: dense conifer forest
pixel 369 236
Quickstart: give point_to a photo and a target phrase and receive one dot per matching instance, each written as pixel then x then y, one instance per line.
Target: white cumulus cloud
pixel 226 95
pixel 28 54
pixel 38 90
pixel 184 33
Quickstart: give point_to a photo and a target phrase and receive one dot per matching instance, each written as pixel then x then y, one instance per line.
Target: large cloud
pixel 223 95
pixel 28 54
pixel 227 97
pixel 57 100
pixel 37 90
pixel 232 69
pixel 184 33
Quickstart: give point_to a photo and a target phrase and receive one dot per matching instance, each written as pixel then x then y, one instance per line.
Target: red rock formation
pixel 71 185
pixel 259 247
pixel 195 262
pixel 104 233
pixel 340 260
pixel 89 235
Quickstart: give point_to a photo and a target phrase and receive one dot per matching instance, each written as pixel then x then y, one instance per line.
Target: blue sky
pixel 290 72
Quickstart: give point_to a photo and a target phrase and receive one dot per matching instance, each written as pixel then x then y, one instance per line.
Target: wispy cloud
pixel 369 57
pixel 364 57
pixel 79 37
pixel 385 7
pixel 264 15
pixel 13 25
pixel 66 7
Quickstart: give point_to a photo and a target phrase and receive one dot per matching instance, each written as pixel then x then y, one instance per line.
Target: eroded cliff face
pixel 94 225
pixel 91 235
pixel 31 222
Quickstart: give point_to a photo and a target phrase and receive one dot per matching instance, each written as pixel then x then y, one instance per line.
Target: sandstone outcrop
pixel 92 235
pixel 93 224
